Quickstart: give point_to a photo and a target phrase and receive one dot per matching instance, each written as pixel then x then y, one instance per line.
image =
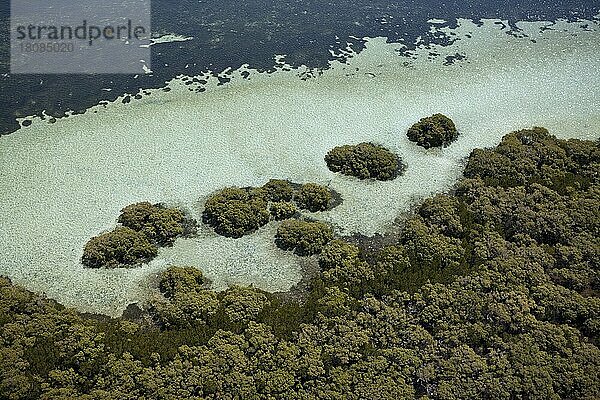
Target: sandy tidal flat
pixel 62 183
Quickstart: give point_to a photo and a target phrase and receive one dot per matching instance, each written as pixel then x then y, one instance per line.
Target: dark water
pixel 229 34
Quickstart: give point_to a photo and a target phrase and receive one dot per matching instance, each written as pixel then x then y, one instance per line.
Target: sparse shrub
pixel 160 224
pixel 304 237
pixel 364 161
pixel 313 197
pixel 122 246
pixel 435 131
pixel 283 210
pixel 235 212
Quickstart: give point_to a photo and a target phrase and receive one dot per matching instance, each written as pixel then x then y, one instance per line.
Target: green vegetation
pixel 235 212
pixel 492 291
pixel 160 224
pixel 364 161
pixel 179 279
pixel 313 197
pixel 243 304
pixel 278 190
pixel 342 267
pixel 435 131
pixel 145 227
pixel 533 156
pixel 304 237
pixel 121 247
pixel 186 301
pixel 281 210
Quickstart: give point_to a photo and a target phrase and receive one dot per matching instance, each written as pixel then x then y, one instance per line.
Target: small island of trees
pixel 364 161
pixel 121 247
pixel 313 197
pixel 144 228
pixel 160 224
pixel 435 131
pixel 235 212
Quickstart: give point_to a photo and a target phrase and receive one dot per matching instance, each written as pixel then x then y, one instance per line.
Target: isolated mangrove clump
pixel 160 224
pixel 435 131
pixel 313 197
pixel 304 237
pixel 145 227
pixel 235 212
pixel 121 247
pixel 364 161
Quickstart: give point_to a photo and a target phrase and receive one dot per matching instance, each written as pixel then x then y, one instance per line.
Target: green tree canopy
pixel 235 212
pixel 435 131
pixel 304 237
pixel 121 247
pixel 364 161
pixel 313 197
